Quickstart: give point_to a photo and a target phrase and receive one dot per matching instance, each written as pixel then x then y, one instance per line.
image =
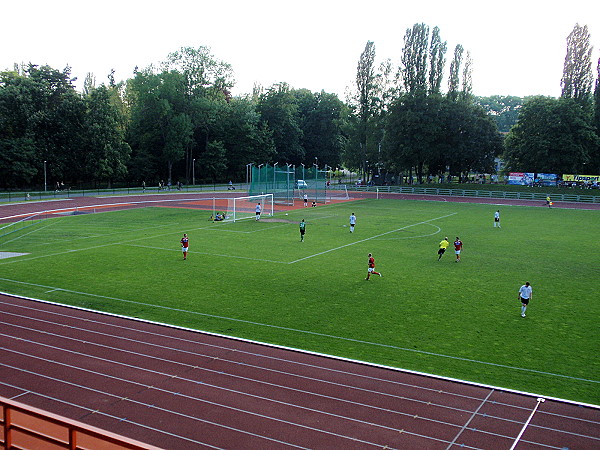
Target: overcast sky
pixel 517 47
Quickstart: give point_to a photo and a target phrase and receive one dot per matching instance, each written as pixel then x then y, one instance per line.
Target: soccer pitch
pixel 256 280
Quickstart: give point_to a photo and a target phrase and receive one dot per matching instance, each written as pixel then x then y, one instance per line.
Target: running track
pixel 177 388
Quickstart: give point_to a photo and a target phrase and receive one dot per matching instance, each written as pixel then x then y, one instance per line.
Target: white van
pixel 301 184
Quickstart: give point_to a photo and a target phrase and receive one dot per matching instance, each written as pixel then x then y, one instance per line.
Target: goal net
pixel 338 192
pixel 239 208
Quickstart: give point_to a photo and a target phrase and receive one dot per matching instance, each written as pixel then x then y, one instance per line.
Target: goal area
pixel 239 208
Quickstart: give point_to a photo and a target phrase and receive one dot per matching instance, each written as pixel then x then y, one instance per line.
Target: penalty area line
pixel 371 238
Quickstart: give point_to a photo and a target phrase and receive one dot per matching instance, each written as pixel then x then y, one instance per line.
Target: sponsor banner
pixel 582 178
pixel 523 178
pixel 546 179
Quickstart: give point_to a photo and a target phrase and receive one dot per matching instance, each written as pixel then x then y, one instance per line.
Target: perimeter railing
pixel 23 427
pixel 415 190
pixel 23 196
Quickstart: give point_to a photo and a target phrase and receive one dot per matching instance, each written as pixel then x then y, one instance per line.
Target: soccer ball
pixel 286 214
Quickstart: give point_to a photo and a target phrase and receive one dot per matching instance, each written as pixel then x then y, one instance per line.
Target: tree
pixel 577 76
pixel 204 74
pixel 413 131
pixel 214 160
pixel 437 61
pixel 595 155
pixel 504 110
pixel 41 112
pixel 366 101
pixel 454 78
pixel 320 118
pixel 467 80
pixel 552 136
pixel 414 59
pixel 105 152
pixel 279 108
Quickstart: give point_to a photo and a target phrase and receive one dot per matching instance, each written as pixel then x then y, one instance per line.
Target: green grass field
pixel 256 280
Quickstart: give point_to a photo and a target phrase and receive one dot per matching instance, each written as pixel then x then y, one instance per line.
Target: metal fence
pixel 50 195
pixel 14 196
pixel 480 194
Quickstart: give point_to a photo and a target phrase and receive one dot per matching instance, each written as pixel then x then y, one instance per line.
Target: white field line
pixel 23 235
pixel 207 253
pixel 308 332
pixel 414 237
pixel 100 205
pixel 371 238
pixel 98 246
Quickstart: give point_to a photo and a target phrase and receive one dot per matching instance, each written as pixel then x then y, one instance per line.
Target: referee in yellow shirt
pixel 443 246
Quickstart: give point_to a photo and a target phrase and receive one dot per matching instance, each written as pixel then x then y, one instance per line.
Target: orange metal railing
pixel 25 427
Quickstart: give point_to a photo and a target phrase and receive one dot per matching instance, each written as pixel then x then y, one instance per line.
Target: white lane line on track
pixel 464 427
pixel 266 369
pixel 221 372
pixel 100 413
pixel 226 339
pixel 234 362
pixel 179 394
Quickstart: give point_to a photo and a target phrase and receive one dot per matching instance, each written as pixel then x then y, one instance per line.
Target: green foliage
pixel 433 132
pixel 256 280
pixel 43 118
pixel 279 108
pixel 577 76
pixel 503 109
pixel 552 136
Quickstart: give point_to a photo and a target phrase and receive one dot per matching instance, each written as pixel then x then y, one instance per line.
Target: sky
pixel 517 47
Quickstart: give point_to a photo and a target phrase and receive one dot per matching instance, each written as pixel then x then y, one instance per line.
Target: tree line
pixel 178 122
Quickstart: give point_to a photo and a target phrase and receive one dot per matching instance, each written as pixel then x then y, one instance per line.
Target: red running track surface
pixel 177 388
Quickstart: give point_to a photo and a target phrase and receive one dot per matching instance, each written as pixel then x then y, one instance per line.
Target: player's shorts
pixel 525 301
pixel 371 269
pixel 184 249
pixel 496 219
pixel 352 224
pixel 302 232
pixel 457 252
pixel 441 251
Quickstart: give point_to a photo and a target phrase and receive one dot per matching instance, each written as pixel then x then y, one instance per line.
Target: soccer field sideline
pixel 317 235
pixel 294 330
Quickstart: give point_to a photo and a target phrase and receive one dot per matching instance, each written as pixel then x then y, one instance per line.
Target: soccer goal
pixel 338 192
pixel 239 208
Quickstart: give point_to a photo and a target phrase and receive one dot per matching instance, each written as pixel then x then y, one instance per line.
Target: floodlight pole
pixel 274 171
pixel 248 173
pixel 316 179
pixel 194 172
pixel 303 171
pixel 45 185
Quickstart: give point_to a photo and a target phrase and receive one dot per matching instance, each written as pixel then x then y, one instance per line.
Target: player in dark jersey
pixel 185 243
pixel 457 248
pixel 371 268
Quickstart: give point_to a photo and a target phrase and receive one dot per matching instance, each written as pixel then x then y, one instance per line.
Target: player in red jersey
pixel 185 245
pixel 371 268
pixel 457 248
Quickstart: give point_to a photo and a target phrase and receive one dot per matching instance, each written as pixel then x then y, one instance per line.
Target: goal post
pixel 339 192
pixel 240 208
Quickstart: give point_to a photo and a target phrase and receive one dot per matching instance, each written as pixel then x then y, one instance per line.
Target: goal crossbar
pixel 240 208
